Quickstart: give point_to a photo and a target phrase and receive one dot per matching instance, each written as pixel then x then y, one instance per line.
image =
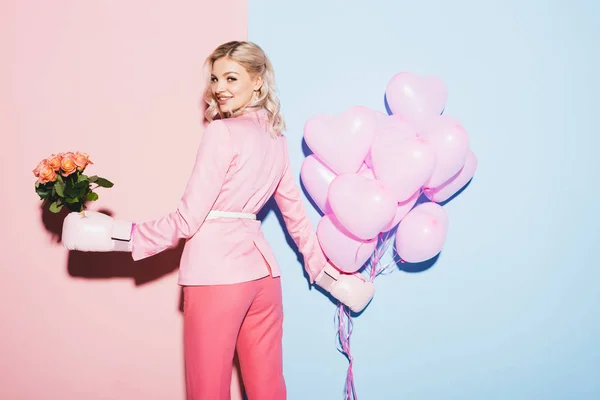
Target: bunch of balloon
pixel 374 175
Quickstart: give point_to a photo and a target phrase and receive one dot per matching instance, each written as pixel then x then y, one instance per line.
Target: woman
pixel 232 290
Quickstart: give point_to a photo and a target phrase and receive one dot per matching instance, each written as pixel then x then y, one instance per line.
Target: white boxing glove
pixel 94 231
pixel 352 290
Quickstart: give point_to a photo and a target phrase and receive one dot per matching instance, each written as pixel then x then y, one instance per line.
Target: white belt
pixel 229 214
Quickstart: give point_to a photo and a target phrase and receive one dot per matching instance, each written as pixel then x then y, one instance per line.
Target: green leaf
pixel 55 207
pixel 72 200
pixel 60 189
pixel 42 191
pixel 81 184
pixel 71 180
pixel 91 196
pixel 82 178
pixel 104 182
pixel 59 178
pixel 72 191
pixel 93 178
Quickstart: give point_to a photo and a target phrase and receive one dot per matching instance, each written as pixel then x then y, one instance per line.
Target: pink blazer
pixel 238 167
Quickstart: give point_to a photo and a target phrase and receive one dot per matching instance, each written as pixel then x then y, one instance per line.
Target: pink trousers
pixel 218 320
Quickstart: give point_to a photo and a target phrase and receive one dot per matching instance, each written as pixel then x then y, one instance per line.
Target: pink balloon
pixel 435 210
pixel 421 234
pixel 451 145
pixel 401 211
pixel 403 164
pixel 369 160
pixel 393 124
pixel 390 124
pixel 345 251
pixel 342 142
pixel 403 207
pixel 453 185
pixel 379 116
pixel 317 178
pixel 362 205
pixel 366 172
pixel 416 98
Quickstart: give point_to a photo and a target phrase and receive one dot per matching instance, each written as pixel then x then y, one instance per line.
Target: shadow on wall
pixel 271 206
pixel 93 265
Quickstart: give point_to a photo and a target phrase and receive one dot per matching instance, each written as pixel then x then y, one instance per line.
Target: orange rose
pixel 69 154
pixel 82 160
pixel 39 167
pixel 47 174
pixel 54 161
pixel 67 164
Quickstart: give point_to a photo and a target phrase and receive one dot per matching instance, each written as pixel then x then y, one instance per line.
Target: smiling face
pixel 231 85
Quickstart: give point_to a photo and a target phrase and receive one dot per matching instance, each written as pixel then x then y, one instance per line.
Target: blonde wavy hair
pixel 255 61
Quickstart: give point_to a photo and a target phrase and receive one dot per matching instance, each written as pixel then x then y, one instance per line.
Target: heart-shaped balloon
pixel 389 124
pixel 369 160
pixel 453 185
pixel 366 172
pixel 451 145
pixel 341 142
pixel 345 251
pixel 422 233
pixel 416 97
pixel 362 205
pixel 392 124
pixel 435 210
pixel 403 162
pixel 403 207
pixel 401 211
pixel 316 178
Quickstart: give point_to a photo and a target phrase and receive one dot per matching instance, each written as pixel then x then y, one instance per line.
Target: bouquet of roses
pixel 61 181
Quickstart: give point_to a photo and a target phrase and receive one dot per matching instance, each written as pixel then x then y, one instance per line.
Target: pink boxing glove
pixel 351 290
pixel 96 232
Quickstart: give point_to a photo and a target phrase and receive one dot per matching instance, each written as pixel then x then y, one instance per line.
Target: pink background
pixel 120 80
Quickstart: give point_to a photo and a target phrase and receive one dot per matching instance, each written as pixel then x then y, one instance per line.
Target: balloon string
pixel 345 325
pixel 344 319
pixel 375 269
pixel 376 257
pixel 358 251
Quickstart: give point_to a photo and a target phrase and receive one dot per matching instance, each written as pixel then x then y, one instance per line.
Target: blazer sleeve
pixel 289 200
pixel 213 159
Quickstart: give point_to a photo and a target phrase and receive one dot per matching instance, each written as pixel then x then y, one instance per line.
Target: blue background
pixel 509 310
